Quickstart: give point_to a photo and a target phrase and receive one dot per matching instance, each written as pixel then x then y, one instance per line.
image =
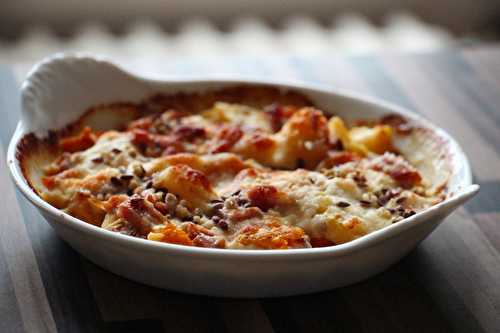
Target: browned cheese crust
pixel 241 168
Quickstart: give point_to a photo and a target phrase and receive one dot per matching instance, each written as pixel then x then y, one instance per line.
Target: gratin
pixel 238 168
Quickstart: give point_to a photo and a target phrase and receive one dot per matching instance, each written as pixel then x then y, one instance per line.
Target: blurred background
pixel 31 29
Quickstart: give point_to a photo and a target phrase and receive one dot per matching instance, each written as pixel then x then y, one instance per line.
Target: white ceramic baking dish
pixel 58 91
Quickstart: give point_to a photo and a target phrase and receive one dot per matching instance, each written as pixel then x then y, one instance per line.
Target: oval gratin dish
pixel 61 88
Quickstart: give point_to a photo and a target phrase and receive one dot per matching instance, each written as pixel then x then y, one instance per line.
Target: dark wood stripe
pixel 141 325
pixel 323 312
pixel 485 60
pixel 65 282
pixel 487 200
pixel 454 275
pixel 190 313
pixel 12 321
pixel 28 286
pixel 279 313
pixel 25 275
pixel 244 316
pixel 477 261
pixel 489 224
pixel 9 105
pixel 389 301
pixel 426 268
pixel 468 95
pixel 122 300
pixel 483 92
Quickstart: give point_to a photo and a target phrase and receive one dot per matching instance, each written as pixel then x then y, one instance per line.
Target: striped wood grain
pixel 449 283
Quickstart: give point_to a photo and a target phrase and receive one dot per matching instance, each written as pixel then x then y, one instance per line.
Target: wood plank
pixel 16 246
pixel 425 263
pixel 242 316
pixel 70 298
pixel 8 301
pixel 9 307
pixel 467 260
pixel 139 325
pixel 471 265
pixel 25 275
pixel 468 94
pixel 483 77
pixel 190 313
pixel 485 59
pixel 392 299
pixel 10 105
pixel 121 300
pixel 489 223
pixel 486 201
pixel 398 294
pixel 323 312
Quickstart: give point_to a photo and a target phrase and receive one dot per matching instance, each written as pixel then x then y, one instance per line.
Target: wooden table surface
pixel 450 283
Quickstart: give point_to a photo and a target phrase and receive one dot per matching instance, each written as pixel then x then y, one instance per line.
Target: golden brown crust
pixel 242 167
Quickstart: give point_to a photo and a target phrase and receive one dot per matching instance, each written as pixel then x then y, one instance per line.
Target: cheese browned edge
pixel 243 167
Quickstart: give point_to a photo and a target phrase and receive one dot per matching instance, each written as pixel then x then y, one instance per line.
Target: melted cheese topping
pixel 237 176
